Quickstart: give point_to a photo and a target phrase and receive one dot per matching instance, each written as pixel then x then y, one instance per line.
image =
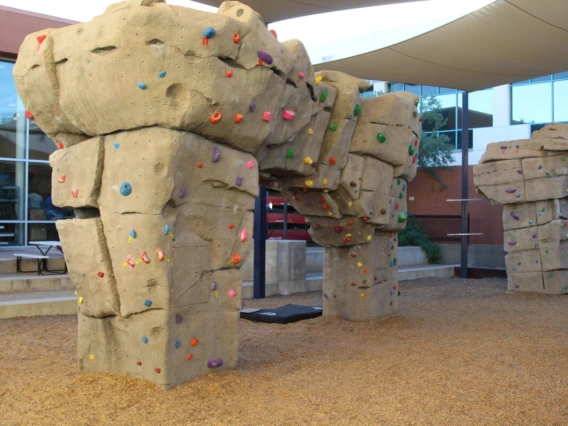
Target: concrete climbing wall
pixel 163 117
pixel 531 178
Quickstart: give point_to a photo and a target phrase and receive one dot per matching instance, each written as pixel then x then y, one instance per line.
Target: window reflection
pixel 40 145
pixel 532 103
pixel 561 101
pixel 12 118
pixel 12 190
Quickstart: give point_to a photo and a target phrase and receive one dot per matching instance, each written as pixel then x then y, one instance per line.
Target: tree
pixel 435 149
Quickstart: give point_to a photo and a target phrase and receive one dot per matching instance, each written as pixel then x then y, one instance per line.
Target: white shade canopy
pixel 503 42
pixel 279 10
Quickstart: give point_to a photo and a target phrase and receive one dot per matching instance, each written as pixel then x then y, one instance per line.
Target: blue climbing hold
pixel 177 344
pixel 141 86
pixel 116 145
pixel 404 187
pixel 148 303
pixel 125 189
pixel 133 233
pixel 162 74
pixel 550 275
pixel 144 339
pixel 539 167
pixel 166 229
pixel 208 32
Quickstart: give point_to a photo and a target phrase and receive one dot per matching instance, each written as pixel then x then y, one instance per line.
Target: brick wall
pixel 430 199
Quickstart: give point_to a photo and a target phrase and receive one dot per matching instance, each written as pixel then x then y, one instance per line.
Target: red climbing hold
pixel 346 240
pixel 29 115
pixel 321 198
pixel 41 38
pixel 194 342
pixel 101 274
pixel 199 165
pixel 158 370
pixel 274 34
pixel 325 206
pixel 396 206
pixel 338 229
pixel 305 189
pixel 189 357
pixel 60 145
pixel 236 258
pixel 139 363
pixel 353 284
pixel 229 73
pixel 239 118
pixel 236 38
pixel 332 161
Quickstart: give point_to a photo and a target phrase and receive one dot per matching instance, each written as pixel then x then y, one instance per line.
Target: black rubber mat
pixel 283 314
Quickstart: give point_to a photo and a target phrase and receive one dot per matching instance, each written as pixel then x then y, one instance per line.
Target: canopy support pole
pixel 465 184
pixel 259 285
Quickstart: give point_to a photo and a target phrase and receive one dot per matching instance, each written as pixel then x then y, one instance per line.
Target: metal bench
pixel 41 261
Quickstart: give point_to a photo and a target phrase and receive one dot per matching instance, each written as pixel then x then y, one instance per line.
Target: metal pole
pixel 259 286
pixel 465 183
pixel 285 234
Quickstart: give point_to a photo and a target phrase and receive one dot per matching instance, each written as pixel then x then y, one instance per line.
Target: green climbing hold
pixel 323 97
pixel 547 173
pixel 290 154
pixel 562 159
pixel 397 182
pixel 400 196
pixel 357 110
pixel 543 209
pixel 333 127
pixel 410 149
pixel 402 218
pixel 381 138
pixel 394 261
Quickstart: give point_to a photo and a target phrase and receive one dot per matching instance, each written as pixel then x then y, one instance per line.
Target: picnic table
pixel 44 247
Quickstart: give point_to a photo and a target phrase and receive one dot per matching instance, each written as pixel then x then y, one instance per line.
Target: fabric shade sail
pixel 279 10
pixel 503 42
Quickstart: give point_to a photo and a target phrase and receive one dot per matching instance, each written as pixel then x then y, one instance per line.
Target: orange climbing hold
pixel 60 145
pixel 194 342
pixel 199 165
pixel 236 38
pixel 231 226
pixel 215 118
pixel 239 118
pixel 236 258
pixel 229 73
pixel 189 357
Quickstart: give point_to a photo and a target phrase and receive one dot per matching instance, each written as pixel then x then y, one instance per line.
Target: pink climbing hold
pixel 75 193
pixel 232 293
pixel 301 75
pixel 243 235
pixel 61 179
pixel 130 261
pixel 266 116
pixel 250 164
pixel 288 115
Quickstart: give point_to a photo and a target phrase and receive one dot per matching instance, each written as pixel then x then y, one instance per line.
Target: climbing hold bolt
pixel 125 189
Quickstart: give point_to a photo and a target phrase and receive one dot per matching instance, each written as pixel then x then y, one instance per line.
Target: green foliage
pixel 435 149
pixel 414 235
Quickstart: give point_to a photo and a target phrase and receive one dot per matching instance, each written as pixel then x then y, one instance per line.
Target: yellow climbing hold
pixel 325 181
pixel 359 264
pixel 80 301
pixel 309 183
pixel 350 204
pixel 369 238
pixel 129 240
pixel 362 294
pixel 329 213
pixel 75 292
pixel 326 190
pixel 319 78
pixel 310 131
pixel 308 160
pixel 91 357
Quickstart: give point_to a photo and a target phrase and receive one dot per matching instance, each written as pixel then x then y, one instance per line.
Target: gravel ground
pixel 461 352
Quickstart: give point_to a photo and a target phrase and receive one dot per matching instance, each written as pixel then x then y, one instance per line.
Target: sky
pixel 327 36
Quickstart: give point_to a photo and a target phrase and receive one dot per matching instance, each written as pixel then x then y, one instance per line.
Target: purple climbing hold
pixel 325 295
pixel 520 172
pixel 239 181
pixel 215 362
pixel 534 235
pixel 514 216
pixel 504 147
pixel 510 191
pixel 512 243
pixel 263 56
pixel 179 318
pixel 183 192
pixel 216 154
pixel 252 106
pixel 214 286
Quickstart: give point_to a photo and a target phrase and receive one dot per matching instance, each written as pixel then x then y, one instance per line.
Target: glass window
pixel 429 90
pixel 42 232
pixel 12 190
pixel 396 87
pixel 39 184
pixel 521 82
pixel 12 118
pixel 445 91
pixel 12 234
pixel 561 101
pixel 480 109
pixel 541 79
pixel 560 76
pixel 532 103
pixel 412 88
pixel 41 146
pixel 459 139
